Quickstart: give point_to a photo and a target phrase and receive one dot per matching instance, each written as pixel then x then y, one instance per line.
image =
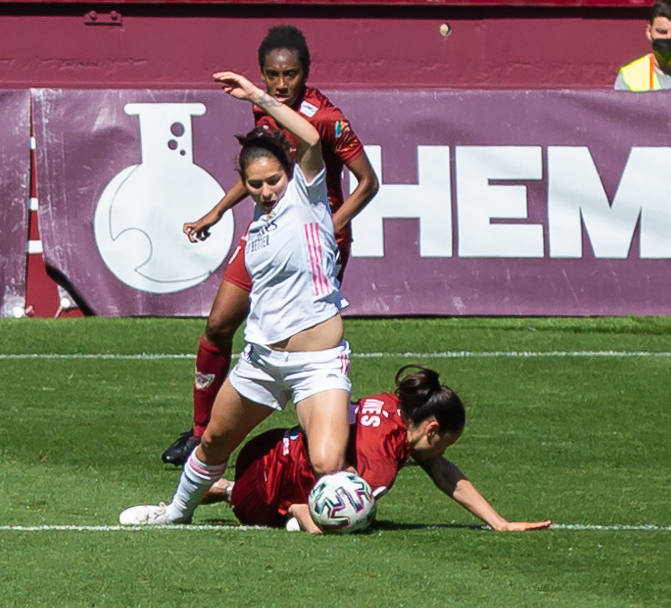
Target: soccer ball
pixel 341 503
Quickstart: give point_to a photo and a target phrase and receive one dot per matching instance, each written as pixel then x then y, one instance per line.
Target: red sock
pixel 212 365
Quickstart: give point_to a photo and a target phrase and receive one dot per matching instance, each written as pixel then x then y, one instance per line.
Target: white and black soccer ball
pixel 341 503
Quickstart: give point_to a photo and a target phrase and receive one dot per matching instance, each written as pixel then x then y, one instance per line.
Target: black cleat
pixel 179 451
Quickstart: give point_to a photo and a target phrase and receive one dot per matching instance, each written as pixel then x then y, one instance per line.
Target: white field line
pixel 456 354
pixel 233 528
pixel 119 528
pixel 612 527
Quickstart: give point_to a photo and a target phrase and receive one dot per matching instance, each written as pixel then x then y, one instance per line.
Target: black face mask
pixel 662 50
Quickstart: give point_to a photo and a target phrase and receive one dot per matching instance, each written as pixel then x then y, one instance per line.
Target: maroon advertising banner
pixel 491 202
pixel 14 197
pixel 119 173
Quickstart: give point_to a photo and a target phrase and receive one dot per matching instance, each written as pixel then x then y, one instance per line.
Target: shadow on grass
pixel 378 526
pixel 393 525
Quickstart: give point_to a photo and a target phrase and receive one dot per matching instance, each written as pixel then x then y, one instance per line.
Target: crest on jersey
pixel 341 126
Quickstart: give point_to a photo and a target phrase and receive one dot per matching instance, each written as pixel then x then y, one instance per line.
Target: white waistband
pixel 298 356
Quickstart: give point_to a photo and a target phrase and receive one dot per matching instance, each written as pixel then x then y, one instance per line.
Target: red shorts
pixel 250 500
pixel 236 271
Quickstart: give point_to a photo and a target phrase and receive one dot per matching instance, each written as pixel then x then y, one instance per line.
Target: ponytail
pixel 422 396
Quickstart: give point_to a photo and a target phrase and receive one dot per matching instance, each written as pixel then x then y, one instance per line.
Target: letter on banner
pixel 576 195
pixel 478 201
pixel 429 200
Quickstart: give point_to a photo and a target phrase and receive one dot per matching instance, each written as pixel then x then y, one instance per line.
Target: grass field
pixel 568 419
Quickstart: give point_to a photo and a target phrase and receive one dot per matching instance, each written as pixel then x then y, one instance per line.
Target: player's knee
pixel 213 448
pixel 327 463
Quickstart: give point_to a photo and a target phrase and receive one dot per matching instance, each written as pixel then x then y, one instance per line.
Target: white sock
pixel 196 479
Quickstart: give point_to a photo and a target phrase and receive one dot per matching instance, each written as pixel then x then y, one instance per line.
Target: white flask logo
pixel 139 217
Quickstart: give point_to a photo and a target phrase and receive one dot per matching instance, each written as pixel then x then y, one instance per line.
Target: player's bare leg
pixel 233 417
pixel 324 418
pixel 213 359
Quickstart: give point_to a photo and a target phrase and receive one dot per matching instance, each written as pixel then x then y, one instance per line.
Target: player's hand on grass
pixel 523 526
pixel 302 514
pixel 220 491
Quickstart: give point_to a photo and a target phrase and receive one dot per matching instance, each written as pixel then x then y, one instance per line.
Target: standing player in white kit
pixel 294 331
pixel 284 61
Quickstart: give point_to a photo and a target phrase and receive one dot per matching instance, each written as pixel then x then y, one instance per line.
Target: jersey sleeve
pixel 337 135
pixel 315 190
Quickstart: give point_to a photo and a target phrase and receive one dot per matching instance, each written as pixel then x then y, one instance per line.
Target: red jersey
pixel 340 145
pixel 378 446
pixel 273 471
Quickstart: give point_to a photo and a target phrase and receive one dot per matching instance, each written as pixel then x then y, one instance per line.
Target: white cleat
pixel 148 515
pixel 292 525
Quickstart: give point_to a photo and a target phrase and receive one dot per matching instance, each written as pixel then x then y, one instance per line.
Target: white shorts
pixel 272 377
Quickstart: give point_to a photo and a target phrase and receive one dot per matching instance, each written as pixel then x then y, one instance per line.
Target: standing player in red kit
pixel 421 419
pixel 284 60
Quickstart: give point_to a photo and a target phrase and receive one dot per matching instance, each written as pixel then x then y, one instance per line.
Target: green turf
pixel 581 440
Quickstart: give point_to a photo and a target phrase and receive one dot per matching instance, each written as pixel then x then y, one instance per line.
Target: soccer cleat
pixel 149 515
pixel 292 525
pixel 180 449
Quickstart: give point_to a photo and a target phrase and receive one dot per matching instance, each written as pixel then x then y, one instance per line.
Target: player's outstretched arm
pixel 302 514
pixel 309 152
pixel 455 484
pixel 200 229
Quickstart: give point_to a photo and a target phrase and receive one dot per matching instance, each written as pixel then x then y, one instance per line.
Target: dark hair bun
pixel 423 396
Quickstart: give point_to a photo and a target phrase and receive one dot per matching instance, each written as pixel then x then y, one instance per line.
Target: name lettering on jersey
pixel 258 242
pixel 371 412
pixel 261 237
pixel 308 109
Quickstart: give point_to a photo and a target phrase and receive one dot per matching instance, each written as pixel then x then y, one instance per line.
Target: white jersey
pixel 291 258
